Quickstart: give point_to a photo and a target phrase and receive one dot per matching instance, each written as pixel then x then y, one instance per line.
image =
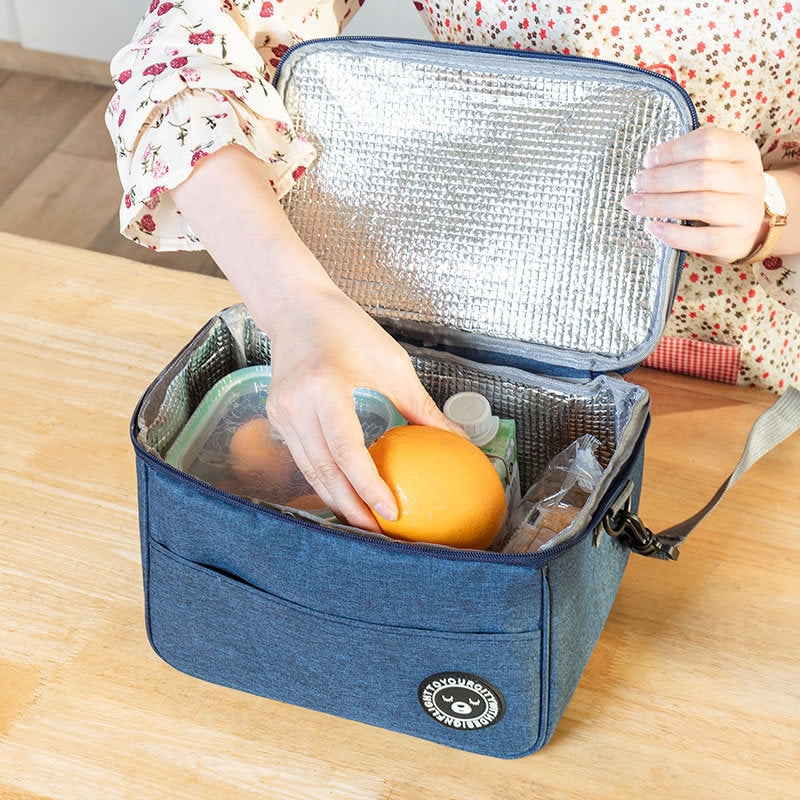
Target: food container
pixel 228 442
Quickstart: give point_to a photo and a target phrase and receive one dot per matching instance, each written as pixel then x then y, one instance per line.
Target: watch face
pixel 774 197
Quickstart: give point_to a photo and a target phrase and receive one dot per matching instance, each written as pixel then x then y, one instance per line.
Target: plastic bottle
pixel 496 437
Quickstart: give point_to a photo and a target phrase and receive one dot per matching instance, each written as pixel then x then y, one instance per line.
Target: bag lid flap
pixel 470 196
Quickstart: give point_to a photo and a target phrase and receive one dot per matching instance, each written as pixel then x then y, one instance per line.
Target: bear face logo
pixel 461 700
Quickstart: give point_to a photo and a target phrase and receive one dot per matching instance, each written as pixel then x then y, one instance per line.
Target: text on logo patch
pixel 461 700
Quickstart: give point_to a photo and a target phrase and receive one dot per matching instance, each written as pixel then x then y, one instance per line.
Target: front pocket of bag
pixel 218 628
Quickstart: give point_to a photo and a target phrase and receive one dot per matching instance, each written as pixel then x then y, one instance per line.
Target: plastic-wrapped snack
pixel 542 518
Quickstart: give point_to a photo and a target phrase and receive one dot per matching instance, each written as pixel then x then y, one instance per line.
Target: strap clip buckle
pixel 622 523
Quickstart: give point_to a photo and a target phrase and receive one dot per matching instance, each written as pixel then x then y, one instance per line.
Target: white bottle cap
pixel 473 413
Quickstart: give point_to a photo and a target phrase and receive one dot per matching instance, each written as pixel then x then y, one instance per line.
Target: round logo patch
pixel 461 700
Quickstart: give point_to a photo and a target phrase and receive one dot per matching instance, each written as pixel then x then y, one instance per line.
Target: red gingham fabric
pixel 710 360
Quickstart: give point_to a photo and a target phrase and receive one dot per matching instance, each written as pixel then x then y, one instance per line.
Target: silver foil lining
pixel 480 193
pixel 549 413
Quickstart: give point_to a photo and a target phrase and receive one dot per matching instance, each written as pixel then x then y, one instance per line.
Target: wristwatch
pixel 777 209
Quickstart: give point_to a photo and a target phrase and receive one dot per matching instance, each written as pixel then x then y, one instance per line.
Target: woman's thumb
pixel 419 408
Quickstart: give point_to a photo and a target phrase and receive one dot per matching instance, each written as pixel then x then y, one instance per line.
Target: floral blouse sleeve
pixel 196 77
pixel 780 275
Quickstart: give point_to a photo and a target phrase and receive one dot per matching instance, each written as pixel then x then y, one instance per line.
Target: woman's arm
pixel 205 150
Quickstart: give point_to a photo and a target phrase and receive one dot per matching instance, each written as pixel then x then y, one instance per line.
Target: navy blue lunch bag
pixel 469 199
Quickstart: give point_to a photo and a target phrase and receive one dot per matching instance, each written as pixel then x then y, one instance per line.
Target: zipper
pixel 530 560
pixel 581 374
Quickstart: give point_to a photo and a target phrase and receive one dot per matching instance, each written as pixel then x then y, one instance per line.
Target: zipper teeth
pixel 495 50
pixel 529 560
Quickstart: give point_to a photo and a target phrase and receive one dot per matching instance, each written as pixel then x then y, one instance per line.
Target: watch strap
pixel 762 250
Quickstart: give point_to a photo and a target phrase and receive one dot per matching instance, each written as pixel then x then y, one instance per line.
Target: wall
pixel 96 29
pixel 388 18
pixel 85 28
pixel 8 22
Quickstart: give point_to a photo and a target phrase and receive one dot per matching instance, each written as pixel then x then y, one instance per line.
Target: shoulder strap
pixel 775 425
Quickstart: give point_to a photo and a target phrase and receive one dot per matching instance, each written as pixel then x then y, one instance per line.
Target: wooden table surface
pixel 693 690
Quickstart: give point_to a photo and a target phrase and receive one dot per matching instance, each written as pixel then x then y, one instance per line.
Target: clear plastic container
pixel 228 442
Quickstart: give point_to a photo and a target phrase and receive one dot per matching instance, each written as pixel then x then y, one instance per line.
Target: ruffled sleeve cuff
pixel 189 126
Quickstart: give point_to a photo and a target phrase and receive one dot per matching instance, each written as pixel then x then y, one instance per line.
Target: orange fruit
pixel 258 459
pixel 447 490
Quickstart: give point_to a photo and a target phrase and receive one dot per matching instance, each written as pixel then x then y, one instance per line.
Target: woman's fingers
pixel 313 457
pixel 720 242
pixel 417 406
pixel 695 176
pixel 710 175
pixel 303 464
pixel 344 438
pixel 714 208
pixel 708 143
pixel 311 403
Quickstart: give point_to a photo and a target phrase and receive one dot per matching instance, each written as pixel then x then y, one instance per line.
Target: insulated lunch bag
pixel 469 199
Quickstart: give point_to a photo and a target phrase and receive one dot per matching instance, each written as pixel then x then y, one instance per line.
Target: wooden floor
pixel 58 174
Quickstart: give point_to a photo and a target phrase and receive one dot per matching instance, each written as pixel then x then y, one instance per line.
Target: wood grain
pixel 693 690
pixel 90 137
pixel 65 199
pixel 37 114
pixel 58 176
pixel 38 62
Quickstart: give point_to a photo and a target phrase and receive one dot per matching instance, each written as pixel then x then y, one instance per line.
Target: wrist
pixel 279 301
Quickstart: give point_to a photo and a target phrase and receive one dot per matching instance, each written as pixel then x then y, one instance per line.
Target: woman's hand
pixel 326 347
pixel 710 175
